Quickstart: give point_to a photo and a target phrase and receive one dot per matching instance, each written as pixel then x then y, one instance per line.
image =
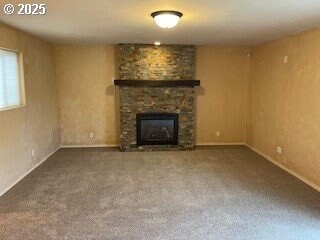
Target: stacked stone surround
pixel 147 62
pixel 135 100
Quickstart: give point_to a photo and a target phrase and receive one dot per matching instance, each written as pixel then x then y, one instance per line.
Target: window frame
pixel 21 80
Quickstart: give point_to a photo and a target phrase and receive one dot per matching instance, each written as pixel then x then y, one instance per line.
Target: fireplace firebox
pixel 157 129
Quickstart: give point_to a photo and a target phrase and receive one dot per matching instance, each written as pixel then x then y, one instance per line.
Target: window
pixel 11 79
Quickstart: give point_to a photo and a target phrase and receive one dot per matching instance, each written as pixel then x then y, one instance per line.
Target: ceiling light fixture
pixel 157 43
pixel 166 19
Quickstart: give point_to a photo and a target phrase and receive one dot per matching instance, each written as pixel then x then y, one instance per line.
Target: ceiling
pixel 205 22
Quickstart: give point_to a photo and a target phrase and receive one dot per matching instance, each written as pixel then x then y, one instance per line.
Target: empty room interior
pixel 160 120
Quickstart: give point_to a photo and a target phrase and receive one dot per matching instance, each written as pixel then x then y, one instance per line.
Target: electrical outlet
pixel 33 153
pixel 279 150
pixel 91 135
pixel 218 133
pixel 285 59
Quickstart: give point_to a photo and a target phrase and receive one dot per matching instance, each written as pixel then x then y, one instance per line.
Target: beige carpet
pixel 210 193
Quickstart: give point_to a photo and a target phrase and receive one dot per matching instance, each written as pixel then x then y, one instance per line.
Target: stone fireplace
pixel 156 97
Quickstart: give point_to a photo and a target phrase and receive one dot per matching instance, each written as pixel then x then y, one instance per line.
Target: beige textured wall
pixel 284 99
pixel 222 98
pixel 36 125
pixel 87 99
pixel 86 94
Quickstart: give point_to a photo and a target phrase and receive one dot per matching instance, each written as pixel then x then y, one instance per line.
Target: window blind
pixel 9 79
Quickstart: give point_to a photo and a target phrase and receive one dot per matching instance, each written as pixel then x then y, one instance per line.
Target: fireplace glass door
pixel 157 129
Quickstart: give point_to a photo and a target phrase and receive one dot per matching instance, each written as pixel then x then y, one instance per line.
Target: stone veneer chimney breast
pixel 150 62
pixel 156 63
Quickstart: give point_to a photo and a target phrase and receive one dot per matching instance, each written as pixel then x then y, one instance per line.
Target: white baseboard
pixel 89 146
pixel 219 144
pixel 311 184
pixel 29 171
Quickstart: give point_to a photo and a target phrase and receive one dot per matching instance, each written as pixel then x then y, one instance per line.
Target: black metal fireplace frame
pixel 157 116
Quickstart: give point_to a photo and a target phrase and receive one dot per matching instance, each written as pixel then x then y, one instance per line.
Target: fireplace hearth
pixel 157 129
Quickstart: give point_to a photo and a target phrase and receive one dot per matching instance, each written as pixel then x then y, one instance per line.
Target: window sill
pixel 12 108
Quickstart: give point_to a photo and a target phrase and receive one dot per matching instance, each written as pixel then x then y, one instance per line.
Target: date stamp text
pixel 25 9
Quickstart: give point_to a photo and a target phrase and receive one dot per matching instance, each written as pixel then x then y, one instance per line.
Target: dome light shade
pixel 166 19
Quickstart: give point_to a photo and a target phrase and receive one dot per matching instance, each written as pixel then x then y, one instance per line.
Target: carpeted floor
pixel 210 193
